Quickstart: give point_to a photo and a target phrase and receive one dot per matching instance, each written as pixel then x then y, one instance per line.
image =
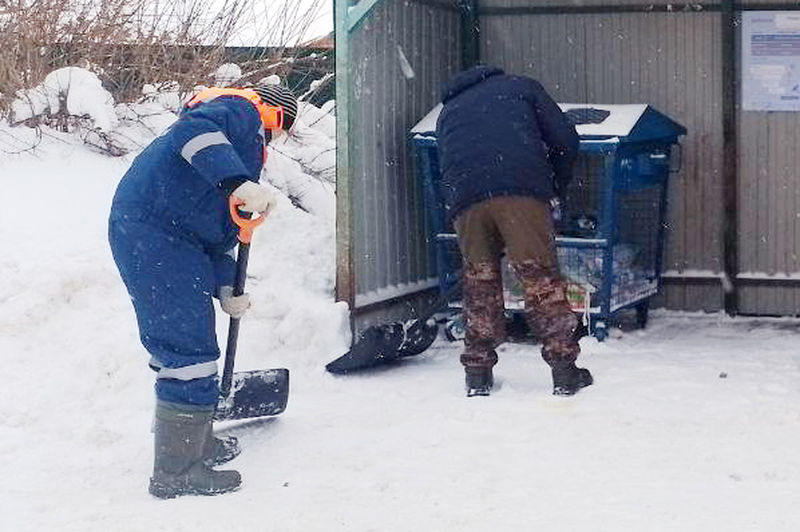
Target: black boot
pixel 218 451
pixel 580 331
pixel 568 379
pixel 479 381
pixel 180 437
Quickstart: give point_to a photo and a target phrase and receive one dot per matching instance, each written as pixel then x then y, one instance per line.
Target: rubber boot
pixel 218 451
pixel 479 381
pixel 178 469
pixel 568 379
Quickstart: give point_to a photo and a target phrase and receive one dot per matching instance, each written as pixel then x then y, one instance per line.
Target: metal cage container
pixel 610 238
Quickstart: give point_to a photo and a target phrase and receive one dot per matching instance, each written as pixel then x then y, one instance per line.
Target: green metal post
pixel 345 274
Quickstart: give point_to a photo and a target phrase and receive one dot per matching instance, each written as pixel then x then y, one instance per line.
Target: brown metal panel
pixel 770 211
pixel 787 3
pixel 403 105
pixel 550 48
pixel 390 249
pixel 669 60
pixel 644 6
pixel 746 188
pixel 578 3
pixel 361 187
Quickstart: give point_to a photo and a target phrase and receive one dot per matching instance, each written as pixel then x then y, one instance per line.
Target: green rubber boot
pixel 179 468
pixel 218 451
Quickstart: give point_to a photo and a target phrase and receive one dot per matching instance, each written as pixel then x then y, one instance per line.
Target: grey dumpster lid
pixel 625 122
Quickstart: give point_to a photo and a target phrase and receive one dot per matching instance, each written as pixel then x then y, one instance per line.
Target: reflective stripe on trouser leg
pixel 196 380
pixel 548 312
pixel 185 373
pixel 483 314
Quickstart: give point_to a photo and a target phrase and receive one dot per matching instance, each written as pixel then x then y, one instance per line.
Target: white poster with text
pixel 771 60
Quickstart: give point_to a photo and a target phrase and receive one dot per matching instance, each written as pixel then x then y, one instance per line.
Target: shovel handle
pixel 246 225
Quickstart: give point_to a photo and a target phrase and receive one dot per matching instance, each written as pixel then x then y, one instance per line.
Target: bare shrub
pixel 129 43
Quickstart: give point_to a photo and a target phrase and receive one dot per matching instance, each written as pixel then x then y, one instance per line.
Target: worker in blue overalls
pixel 172 239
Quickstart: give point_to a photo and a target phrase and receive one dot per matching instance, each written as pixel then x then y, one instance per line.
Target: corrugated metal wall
pixel 769 211
pixel 769 207
pixel 399 56
pixel 669 60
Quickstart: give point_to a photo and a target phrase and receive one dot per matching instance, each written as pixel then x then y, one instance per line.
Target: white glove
pixel 235 306
pixel 257 198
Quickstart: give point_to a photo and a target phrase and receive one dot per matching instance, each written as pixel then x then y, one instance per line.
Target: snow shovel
pixel 382 344
pixel 248 394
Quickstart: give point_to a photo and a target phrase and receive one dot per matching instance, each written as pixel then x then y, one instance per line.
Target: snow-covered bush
pixel 167 95
pixel 320 119
pixel 65 92
pixel 73 100
pixel 301 164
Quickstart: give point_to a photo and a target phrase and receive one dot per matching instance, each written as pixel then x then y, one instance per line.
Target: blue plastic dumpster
pixel 610 240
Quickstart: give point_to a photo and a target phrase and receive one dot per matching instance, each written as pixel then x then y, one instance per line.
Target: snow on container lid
pixel 427 126
pixel 620 122
pixel 627 123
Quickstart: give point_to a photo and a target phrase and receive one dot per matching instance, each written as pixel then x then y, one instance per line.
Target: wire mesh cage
pixel 625 223
pixel 610 237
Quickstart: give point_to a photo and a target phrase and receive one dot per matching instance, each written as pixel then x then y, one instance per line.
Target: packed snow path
pixel 693 424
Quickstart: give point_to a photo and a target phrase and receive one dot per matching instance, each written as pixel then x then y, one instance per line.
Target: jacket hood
pixel 466 79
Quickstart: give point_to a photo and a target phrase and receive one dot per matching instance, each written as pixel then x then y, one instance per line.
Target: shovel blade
pixel 377 345
pixel 255 394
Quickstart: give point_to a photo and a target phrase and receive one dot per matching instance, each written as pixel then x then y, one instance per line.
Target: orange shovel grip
pixel 246 225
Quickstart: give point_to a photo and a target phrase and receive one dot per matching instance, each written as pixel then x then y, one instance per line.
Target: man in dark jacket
pixel 506 151
pixel 172 239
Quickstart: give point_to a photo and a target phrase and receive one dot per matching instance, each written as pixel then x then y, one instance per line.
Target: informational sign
pixel 771 60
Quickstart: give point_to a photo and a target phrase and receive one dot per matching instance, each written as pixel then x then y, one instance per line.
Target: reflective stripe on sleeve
pixel 201 142
pixel 187 373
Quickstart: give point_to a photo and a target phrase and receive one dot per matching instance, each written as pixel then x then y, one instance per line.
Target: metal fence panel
pixel 613 53
pixel 588 5
pixel 399 57
pixel 669 60
pixel 769 212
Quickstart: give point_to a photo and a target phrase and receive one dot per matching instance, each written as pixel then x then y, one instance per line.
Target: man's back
pixel 500 135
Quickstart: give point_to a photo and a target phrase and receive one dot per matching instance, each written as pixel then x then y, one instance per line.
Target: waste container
pixel 610 239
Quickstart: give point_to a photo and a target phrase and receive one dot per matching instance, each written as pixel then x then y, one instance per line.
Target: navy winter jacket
pixel 501 135
pixel 178 182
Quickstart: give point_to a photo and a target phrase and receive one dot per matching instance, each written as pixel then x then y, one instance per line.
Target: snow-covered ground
pixel 693 424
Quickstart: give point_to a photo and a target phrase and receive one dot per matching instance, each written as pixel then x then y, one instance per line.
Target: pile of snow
pixel 302 164
pixel 140 123
pixel 319 118
pixel 166 95
pixel 71 90
pixel 272 79
pixel 285 173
